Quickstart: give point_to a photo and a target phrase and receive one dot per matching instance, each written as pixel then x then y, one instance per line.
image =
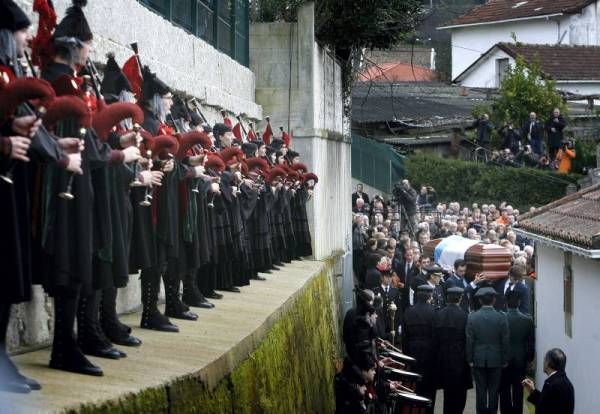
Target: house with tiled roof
pixel 567 288
pixel 532 22
pixel 573 68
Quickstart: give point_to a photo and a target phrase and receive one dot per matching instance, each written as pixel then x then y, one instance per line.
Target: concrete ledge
pixel 170 368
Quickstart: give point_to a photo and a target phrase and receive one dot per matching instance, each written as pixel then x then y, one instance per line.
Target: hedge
pixel 470 182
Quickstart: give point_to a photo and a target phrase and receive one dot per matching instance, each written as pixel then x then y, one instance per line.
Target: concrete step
pixel 209 348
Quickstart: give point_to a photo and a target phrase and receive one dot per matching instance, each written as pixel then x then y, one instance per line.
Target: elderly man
pixel 554 128
pixel 360 206
pixel 558 394
pixel 359 194
pixel 534 131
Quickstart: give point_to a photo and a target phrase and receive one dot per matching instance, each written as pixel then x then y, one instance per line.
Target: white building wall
pixel 184 61
pixel 583 360
pixel 485 75
pixel 469 43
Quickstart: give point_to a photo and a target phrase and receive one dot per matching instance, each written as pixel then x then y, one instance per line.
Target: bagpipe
pixel 400 382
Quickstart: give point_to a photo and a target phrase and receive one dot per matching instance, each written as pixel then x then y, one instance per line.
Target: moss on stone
pixel 290 371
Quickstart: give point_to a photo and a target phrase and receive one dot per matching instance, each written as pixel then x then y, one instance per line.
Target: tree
pixel 526 89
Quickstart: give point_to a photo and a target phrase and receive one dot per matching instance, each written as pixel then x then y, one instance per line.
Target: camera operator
pixel 565 156
pixel 407 198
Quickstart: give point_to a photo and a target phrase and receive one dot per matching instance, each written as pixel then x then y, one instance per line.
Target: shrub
pixel 470 182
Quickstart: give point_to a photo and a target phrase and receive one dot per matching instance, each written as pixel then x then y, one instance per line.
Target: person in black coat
pixel 520 353
pixel 554 128
pixel 351 384
pixel 512 137
pixel 418 341
pixel 406 270
pixel 452 371
pixel 359 194
pixel 389 294
pixel 557 395
pixel 484 130
pixel 457 279
pixel 533 130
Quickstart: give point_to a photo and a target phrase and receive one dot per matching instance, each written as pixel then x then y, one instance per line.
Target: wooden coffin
pixel 492 260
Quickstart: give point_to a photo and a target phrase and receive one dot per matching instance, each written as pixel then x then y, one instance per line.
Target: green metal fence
pixel 375 163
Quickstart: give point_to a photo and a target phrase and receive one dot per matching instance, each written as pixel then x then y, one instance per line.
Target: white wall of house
pixel 486 73
pixel 583 360
pixel 469 43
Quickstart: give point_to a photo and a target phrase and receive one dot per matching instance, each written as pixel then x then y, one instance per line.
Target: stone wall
pixel 291 370
pixel 186 63
pixel 299 84
pixel 405 53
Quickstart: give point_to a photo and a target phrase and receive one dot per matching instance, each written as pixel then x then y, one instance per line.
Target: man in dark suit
pixel 457 279
pixel 557 395
pixel 514 283
pixel 418 341
pixel 554 128
pixel 389 294
pixel 487 350
pixel 452 371
pixel 520 353
pixel 359 194
pixel 534 131
pixel 406 270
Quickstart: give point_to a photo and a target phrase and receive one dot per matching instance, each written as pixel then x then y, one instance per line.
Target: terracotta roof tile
pixel 560 62
pixel 573 219
pixel 498 10
pixel 397 72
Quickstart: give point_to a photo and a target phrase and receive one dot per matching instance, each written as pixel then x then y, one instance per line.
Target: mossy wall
pixel 291 370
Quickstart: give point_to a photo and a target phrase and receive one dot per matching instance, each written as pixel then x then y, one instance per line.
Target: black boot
pixel 66 354
pixel 11 379
pixel 90 337
pixel 174 307
pixel 114 330
pixel 192 295
pixel 151 316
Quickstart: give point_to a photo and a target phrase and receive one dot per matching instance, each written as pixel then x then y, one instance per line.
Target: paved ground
pixel 213 345
pixel 469 409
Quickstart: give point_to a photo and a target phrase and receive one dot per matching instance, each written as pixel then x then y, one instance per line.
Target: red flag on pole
pixel 133 73
pixel 268 133
pixel 42 47
pixel 237 131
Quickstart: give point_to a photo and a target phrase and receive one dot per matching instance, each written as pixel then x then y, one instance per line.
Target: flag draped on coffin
pixel 451 249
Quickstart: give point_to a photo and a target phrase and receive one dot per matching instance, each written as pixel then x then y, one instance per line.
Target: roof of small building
pixel 574 219
pixel 397 72
pixel 423 104
pixel 503 10
pixel 558 62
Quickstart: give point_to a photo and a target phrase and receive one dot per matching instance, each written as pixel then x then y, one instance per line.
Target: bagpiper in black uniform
pixel 116 88
pixel 20 251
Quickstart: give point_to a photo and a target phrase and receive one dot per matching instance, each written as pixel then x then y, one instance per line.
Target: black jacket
pixel 557 396
pixel 452 370
pixel 537 130
pixel 418 340
pixel 555 138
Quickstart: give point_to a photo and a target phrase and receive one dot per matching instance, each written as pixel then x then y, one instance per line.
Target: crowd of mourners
pixel 534 144
pixel 418 327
